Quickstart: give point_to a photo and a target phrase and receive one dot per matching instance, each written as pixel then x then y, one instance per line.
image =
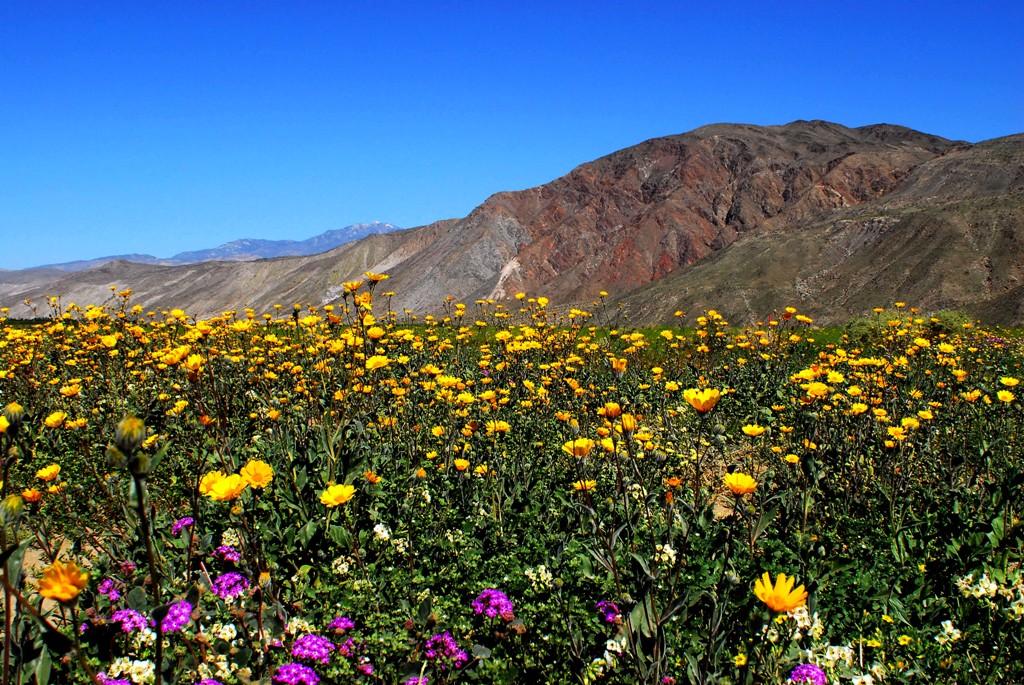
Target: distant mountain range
pixel 244 250
pixel 745 219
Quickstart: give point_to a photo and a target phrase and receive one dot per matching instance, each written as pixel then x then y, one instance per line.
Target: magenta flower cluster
pixel 295 674
pixel 178 616
pixel 312 647
pixel 493 603
pixel 808 674
pixel 181 524
pixel 228 553
pixel 341 624
pixel 609 611
pixel 230 585
pixel 444 651
pixel 130 620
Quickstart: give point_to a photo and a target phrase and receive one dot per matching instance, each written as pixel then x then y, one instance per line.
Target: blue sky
pixel 161 127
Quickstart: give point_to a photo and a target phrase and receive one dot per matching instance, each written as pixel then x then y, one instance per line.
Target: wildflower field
pixel 505 494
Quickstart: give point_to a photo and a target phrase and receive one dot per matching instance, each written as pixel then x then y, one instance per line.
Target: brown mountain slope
pixel 952 236
pixel 745 218
pixel 633 217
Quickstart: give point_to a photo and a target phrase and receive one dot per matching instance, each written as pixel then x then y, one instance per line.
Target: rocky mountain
pixel 244 250
pixel 743 218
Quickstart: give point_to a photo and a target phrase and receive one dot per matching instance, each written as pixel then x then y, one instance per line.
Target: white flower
pixel 142 672
pixel 381 532
pixel 664 554
pixel 863 680
pixel 227 632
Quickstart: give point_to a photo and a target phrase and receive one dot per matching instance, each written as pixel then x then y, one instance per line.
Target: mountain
pixel 249 249
pixel 246 249
pixel 743 218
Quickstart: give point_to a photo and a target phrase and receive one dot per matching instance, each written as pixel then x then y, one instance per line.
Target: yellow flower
pixel 257 474
pixel 740 483
pixel 580 447
pixel 461 464
pixel 207 481
pixel 702 400
pixel 1005 396
pixel 628 423
pixel 781 597
pixel 753 430
pixel 335 495
pixel 1009 381
pixel 497 427
pixel 377 362
pixel 55 420
pixel 62 582
pixel 792 459
pixel 48 473
pixel 904 640
pixel 740 660
pixel 584 485
pixel 4 424
pixel 228 488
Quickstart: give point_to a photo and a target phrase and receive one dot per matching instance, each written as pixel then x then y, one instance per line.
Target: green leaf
pixel 43 664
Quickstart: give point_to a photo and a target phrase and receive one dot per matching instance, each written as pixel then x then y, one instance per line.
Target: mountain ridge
pixel 738 217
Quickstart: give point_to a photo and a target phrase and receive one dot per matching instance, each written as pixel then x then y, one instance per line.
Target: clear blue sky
pixel 160 127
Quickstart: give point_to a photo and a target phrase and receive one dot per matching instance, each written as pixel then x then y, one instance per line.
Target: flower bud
pixel 11 507
pixel 14 413
pixel 130 433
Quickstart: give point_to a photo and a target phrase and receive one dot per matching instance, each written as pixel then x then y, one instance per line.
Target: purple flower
pixel 296 674
pixel 444 651
pixel 128 567
pixel 209 681
pixel 178 616
pixel 808 674
pixel 416 680
pixel 365 667
pixel 107 680
pixel 228 553
pixel 313 648
pixel 341 624
pixel 609 611
pixel 493 603
pixel 130 620
pixel 347 648
pixel 230 585
pixel 181 524
pixel 108 588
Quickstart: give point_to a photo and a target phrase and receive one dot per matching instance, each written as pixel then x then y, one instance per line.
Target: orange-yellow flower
pixel 207 481
pixel 257 474
pixel 48 473
pixel 62 582
pixel 461 464
pixel 628 423
pixel 31 495
pixel 371 477
pixel 753 430
pixel 228 488
pixel 584 485
pixel 336 495
pixel 55 420
pixel 702 400
pixel 780 597
pixel 580 447
pixel 740 483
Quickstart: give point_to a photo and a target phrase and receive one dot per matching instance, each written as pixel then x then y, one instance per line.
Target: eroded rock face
pixel 637 215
